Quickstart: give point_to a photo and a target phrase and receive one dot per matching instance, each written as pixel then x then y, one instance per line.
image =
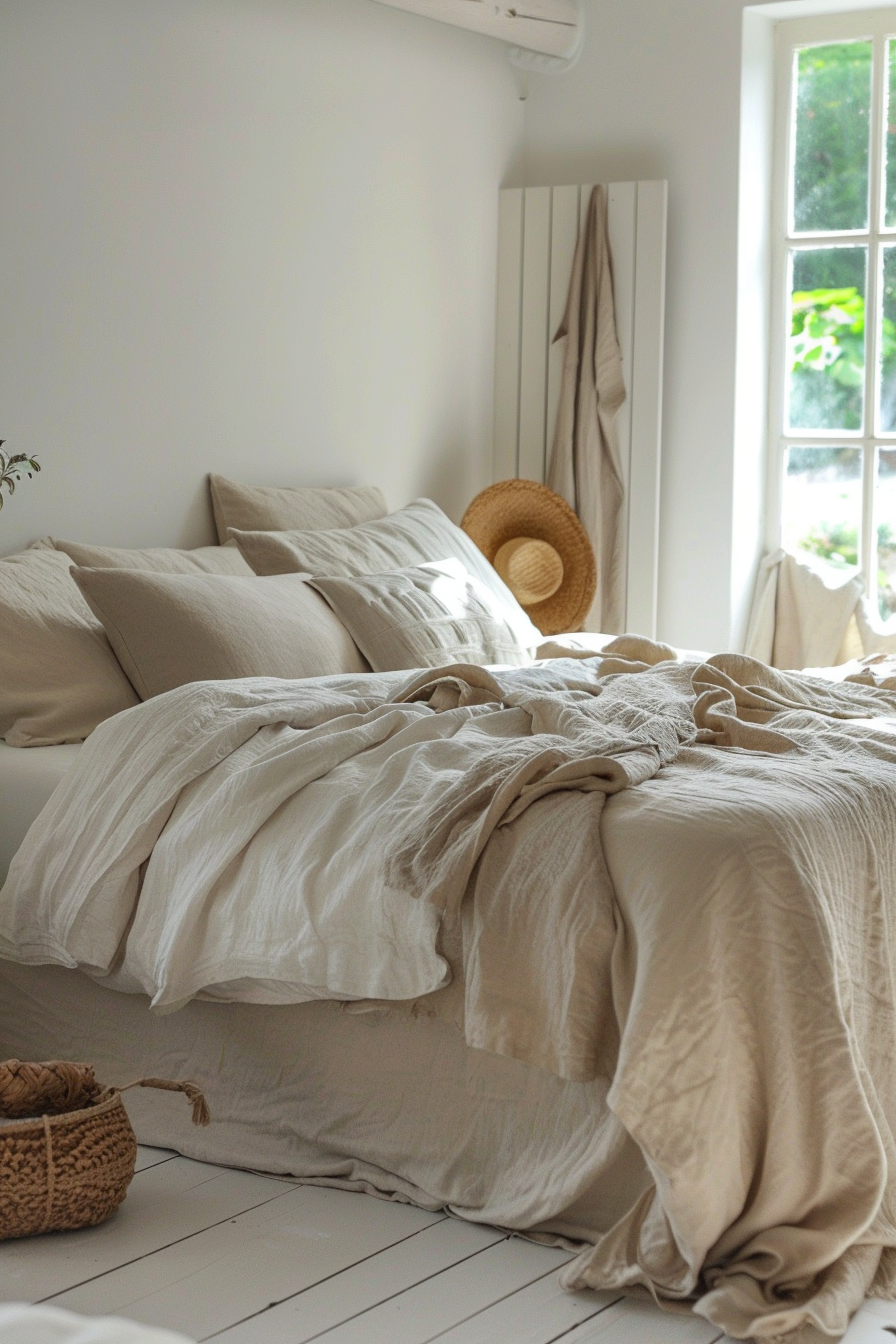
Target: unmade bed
pixel 669 1018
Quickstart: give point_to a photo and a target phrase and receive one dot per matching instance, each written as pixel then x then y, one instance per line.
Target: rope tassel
pixel 201 1113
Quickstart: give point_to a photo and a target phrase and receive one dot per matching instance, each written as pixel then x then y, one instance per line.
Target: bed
pixel 602 950
pixel 326 1091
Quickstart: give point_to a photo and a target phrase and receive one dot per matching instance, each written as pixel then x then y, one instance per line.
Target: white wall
pixel 253 236
pixel 657 93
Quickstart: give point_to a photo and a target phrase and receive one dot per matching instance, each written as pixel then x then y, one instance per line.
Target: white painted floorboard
pixel 243 1258
pixel 151 1157
pixel 166 1203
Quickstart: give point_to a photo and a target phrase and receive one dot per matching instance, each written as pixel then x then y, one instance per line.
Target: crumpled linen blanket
pixel 721 945
pixel 358 806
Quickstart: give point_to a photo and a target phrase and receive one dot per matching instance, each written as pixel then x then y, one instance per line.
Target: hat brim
pixel 522 508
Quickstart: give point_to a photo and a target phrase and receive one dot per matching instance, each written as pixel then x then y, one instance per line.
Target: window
pixel 833 405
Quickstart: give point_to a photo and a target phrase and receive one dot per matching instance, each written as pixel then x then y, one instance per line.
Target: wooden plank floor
pixel 248 1259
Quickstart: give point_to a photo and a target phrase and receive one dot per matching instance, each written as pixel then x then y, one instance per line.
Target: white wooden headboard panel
pixel 538 230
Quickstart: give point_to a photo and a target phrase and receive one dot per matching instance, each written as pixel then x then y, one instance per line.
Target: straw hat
pixel 540 549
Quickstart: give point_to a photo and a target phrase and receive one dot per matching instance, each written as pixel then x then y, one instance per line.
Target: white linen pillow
pixel 158 559
pixel 268 508
pixel 424 616
pixel 170 629
pixel 416 535
pixel 58 675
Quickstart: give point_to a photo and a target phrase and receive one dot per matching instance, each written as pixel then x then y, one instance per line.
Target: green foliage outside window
pixel 832 120
pixel 827 349
pixel 840 546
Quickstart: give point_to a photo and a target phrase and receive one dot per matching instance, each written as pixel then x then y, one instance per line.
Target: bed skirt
pixel 393 1102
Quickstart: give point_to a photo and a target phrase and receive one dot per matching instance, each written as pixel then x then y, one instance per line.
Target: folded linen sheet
pixel 720 945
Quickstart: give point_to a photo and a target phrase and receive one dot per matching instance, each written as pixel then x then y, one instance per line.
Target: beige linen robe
pixel 585 465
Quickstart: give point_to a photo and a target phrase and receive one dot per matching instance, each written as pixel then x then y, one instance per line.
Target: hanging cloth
pixel 802 614
pixel 585 465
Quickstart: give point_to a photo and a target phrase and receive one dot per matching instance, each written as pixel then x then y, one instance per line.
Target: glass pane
pixel 832 132
pixel 888 342
pixel 885 523
pixel 822 509
pixel 890 184
pixel 827 338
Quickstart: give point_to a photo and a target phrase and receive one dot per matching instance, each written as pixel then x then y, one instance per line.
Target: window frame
pixel 876 25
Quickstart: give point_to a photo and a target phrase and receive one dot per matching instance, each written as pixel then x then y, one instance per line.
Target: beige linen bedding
pixel 251 507
pixel 224 559
pixel 58 675
pixel 171 629
pixel 423 616
pixel 684 882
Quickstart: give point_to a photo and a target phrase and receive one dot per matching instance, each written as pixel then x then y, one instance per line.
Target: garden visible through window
pixel 836 407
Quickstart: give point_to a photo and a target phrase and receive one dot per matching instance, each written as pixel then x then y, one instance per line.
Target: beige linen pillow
pixel 168 629
pixel 425 616
pixel 158 559
pixel 58 676
pixel 264 508
pixel 416 535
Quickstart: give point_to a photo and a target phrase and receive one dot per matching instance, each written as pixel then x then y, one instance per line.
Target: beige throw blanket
pixel 709 921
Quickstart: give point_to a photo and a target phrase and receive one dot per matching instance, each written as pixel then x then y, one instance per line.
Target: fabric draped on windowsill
pixel 805 615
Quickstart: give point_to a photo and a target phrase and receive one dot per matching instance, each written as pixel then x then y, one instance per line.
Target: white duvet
pixel 275 842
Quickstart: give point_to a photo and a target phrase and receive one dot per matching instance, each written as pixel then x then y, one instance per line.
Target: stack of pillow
pixel 305 583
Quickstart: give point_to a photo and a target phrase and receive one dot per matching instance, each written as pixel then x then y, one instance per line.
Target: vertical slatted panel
pixel 623 221
pixel 646 409
pixel 511 211
pixel 564 236
pixel 584 199
pixel 539 230
pixel 534 333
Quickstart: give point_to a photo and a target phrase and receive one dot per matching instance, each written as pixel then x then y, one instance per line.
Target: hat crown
pixel 532 569
pixel 524 516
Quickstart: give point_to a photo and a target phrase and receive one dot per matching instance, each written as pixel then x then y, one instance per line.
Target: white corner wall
pixel 657 94
pixel 253 236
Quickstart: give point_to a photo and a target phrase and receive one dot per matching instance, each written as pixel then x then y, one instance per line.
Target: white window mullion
pixel 780 304
pixel 873 314
pixel 866 553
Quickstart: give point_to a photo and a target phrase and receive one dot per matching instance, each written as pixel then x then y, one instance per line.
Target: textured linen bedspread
pixel 720 944
pixel 283 841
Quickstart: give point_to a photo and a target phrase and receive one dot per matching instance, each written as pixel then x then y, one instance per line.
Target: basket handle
pixel 201 1113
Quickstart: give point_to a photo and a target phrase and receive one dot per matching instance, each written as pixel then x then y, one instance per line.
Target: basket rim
pixel 107 1100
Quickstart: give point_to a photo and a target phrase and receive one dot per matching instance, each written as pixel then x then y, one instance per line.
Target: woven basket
pixel 70 1166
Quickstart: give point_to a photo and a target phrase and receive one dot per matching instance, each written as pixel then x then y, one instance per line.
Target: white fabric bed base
pixel 387 1102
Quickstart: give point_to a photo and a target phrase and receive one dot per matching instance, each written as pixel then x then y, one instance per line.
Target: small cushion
pixel 168 629
pixel 416 535
pixel 158 559
pixel 264 508
pixel 425 616
pixel 58 676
